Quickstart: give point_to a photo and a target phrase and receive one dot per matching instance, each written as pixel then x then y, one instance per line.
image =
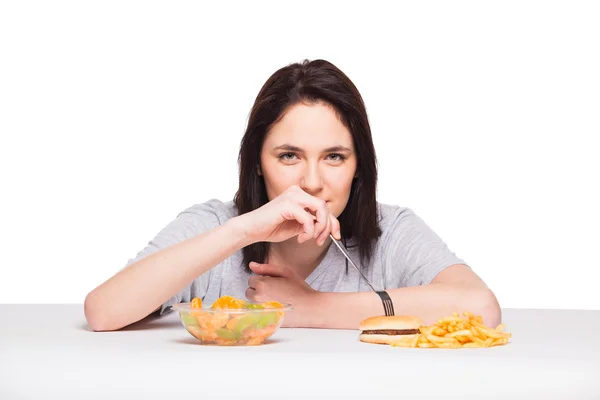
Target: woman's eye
pixel 336 157
pixel 287 156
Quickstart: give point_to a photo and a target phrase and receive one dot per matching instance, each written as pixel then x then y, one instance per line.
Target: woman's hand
pixel 292 213
pixel 275 283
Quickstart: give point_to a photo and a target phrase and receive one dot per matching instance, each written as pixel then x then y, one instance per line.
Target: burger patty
pixel 393 332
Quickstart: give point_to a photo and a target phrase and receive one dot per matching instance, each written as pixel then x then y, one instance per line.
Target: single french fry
pixel 437 339
pixel 477 340
pixel 472 345
pixel 426 330
pixel 448 345
pixel 477 323
pixel 415 340
pixel 464 332
pixel 476 333
pixel 500 327
pixel 489 333
pixel 439 332
pixel 464 339
pixel 426 345
pixel 497 342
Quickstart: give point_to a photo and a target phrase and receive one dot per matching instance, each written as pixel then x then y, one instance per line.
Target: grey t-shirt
pixel 408 253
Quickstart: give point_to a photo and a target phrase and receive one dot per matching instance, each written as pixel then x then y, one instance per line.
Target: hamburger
pixel 385 330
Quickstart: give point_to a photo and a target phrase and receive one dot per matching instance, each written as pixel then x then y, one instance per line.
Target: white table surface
pixel 48 352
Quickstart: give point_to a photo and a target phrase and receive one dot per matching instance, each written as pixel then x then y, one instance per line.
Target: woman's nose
pixel 312 181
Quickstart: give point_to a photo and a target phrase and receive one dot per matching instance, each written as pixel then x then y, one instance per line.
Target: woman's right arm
pixel 138 290
pixel 141 288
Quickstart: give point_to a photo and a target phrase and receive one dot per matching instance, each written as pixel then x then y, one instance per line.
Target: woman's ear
pixel 258 170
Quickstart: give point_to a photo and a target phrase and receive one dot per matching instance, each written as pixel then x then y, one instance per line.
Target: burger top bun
pixel 395 322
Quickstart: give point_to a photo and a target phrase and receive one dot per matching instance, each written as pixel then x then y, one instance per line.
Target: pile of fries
pixel 455 332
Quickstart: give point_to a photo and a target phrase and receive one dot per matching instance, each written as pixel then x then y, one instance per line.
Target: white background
pixel 117 115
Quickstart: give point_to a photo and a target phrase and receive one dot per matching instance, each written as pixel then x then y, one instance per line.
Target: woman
pixel 307 170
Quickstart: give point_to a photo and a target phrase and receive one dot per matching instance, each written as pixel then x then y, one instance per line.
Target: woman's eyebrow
pixel 289 147
pixel 337 149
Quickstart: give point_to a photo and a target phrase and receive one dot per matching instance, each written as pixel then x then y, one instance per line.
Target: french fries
pixel 454 332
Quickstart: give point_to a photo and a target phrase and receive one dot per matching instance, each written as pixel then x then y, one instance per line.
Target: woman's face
pixel 311 148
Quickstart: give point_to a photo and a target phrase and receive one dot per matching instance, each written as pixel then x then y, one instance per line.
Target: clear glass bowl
pixel 231 327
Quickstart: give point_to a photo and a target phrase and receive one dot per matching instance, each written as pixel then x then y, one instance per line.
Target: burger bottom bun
pixel 383 339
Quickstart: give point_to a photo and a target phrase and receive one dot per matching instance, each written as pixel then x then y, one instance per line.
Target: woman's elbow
pixel 489 308
pixel 94 314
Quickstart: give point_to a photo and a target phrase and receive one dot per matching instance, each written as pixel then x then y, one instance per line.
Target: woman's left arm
pixel 455 289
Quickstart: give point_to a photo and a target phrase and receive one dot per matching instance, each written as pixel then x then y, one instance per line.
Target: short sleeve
pixel 188 224
pixel 413 254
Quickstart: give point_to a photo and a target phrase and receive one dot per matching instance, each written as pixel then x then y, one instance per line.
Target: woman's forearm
pixel 429 302
pixel 141 288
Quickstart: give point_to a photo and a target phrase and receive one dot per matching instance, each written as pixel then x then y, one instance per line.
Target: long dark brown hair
pixel 311 82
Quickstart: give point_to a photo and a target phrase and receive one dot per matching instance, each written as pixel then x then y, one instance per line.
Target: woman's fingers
pixel 251 294
pixel 254 282
pixel 316 206
pixel 314 215
pixel 325 233
pixel 335 228
pixel 306 220
pixel 322 217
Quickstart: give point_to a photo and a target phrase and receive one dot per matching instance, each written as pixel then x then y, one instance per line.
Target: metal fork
pixel 351 262
pixel 385 298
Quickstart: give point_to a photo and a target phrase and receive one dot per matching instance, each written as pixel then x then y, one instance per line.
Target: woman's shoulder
pixel 389 214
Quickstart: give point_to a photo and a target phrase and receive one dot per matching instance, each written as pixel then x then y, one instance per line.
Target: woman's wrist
pixel 239 232
pixel 320 305
pixel 342 310
pixel 307 313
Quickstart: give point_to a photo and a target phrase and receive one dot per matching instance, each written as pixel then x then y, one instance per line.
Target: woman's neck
pixel 303 258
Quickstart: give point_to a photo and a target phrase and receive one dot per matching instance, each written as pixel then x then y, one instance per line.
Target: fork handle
pixel 388 306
